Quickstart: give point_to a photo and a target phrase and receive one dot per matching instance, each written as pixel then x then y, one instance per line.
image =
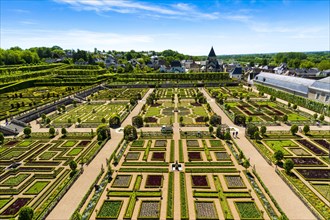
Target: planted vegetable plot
pixel 199 181
pixel 149 209
pixel 43 172
pixel 248 210
pixel 205 210
pixel 154 181
pixel 109 209
pixel 119 94
pixel 234 182
pixel 122 181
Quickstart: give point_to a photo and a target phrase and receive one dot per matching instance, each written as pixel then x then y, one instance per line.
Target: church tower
pixel 212 56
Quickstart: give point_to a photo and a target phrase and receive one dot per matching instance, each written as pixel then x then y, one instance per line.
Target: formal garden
pixel 211 184
pixel 38 170
pixel 302 161
pixel 118 94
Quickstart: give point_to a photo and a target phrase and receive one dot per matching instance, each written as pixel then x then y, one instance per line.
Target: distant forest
pixel 16 55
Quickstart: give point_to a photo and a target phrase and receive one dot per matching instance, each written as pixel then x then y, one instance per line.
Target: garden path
pixel 68 204
pixel 287 200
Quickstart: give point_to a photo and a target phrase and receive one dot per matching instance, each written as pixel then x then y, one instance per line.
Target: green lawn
pixel 12 154
pixel 4 201
pixel 138 143
pixel 110 209
pixel 248 210
pixel 152 111
pixel 324 189
pixel 15 180
pixel 276 145
pixel 215 143
pixel 37 187
pixel 47 155
pixel 24 143
pixel 75 151
pixel 296 117
pixel 69 143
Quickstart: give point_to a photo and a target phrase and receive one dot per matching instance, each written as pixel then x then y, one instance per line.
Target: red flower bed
pixel 306 161
pixel 200 181
pixel 315 173
pixel 154 181
pixel 11 143
pixel 158 156
pixel 16 206
pixel 195 104
pixel 323 143
pixel 199 119
pixel 151 120
pixel 312 147
pixel 84 143
pixel 194 156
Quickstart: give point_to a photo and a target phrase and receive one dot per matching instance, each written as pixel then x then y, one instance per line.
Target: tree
pixel 79 120
pixel 263 130
pixel 130 133
pixel 26 213
pixel 103 120
pixel 64 132
pixel 211 129
pixel 2 138
pixel 103 132
pixel 43 117
pixel 215 120
pixel 315 116
pixel 52 131
pixel 294 106
pixel 256 136
pixel 27 131
pixel 73 165
pixel 48 120
pixel 288 165
pixel 114 121
pixel 278 155
pixel 181 119
pixel 294 129
pixel 246 164
pixel 251 129
pixel 285 118
pixel 306 129
pixel 137 121
pixel 227 136
pixel 240 119
pixel 321 118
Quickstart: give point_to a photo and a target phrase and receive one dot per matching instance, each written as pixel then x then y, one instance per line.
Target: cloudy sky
pixel 190 27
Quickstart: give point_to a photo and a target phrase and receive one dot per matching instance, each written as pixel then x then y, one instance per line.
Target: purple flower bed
pixel 195 104
pixel 323 143
pixel 199 119
pixel 306 161
pixel 194 156
pixel 156 105
pixel 158 156
pixel 151 120
pixel 315 173
pixel 312 147
pixel 11 143
pixel 199 181
pixel 154 181
pixel 14 208
pixel 83 143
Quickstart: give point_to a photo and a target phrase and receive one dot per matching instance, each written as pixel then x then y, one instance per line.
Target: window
pixel 326 98
pixel 317 96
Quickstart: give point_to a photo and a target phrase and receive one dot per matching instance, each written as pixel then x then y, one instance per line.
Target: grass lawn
pixel 47 155
pixel 69 143
pixel 3 149
pixel 138 143
pixel 166 120
pixel 200 111
pixel 276 145
pixel 4 201
pixel 75 151
pixel 296 117
pixel 15 180
pixel 324 189
pixel 37 187
pixel 152 111
pixel 248 210
pixel 215 143
pixel 110 209
pixel 12 154
pixel 24 144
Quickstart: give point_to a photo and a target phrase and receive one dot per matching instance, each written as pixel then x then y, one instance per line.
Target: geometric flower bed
pixel 234 182
pixel 158 156
pixel 316 174
pixel 205 210
pixel 199 181
pixel 16 206
pixel 138 143
pixel 109 209
pixel 4 201
pixel 132 156
pixel 149 209
pixel 216 143
pixel 154 181
pixel 323 143
pixel 299 152
pixel 312 147
pixel 83 143
pixel 36 188
pixel 192 143
pixel 248 210
pixel 15 180
pixel 122 181
pixel 323 189
pixel 194 156
pixel 160 143
pixel 222 156
pixel 69 144
pixel 306 161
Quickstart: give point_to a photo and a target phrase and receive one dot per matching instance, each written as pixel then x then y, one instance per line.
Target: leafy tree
pixel 215 120
pixel 211 129
pixel 321 117
pixel 27 131
pixel 73 165
pixel 79 120
pixel 52 131
pixel 246 164
pixel 103 120
pixel 240 119
pixel 256 136
pixel 306 129
pixel 64 132
pixel 278 155
pixel 114 121
pixel 137 121
pixel 26 213
pixel 227 136
pixel 181 119
pixel 103 132
pixel 2 138
pixel 288 165
pixel 43 117
pixel 251 129
pixel 324 65
pixel 285 118
pixel 263 130
pixel 48 120
pixel 315 116
pixel 294 129
pixel 130 133
pixel 294 106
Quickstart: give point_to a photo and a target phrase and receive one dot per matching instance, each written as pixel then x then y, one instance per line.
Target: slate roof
pixel 322 85
pixel 212 53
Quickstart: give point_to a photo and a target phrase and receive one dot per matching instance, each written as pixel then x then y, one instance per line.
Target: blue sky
pixel 190 27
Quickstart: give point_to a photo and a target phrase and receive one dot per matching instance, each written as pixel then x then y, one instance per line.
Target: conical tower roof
pixel 212 53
